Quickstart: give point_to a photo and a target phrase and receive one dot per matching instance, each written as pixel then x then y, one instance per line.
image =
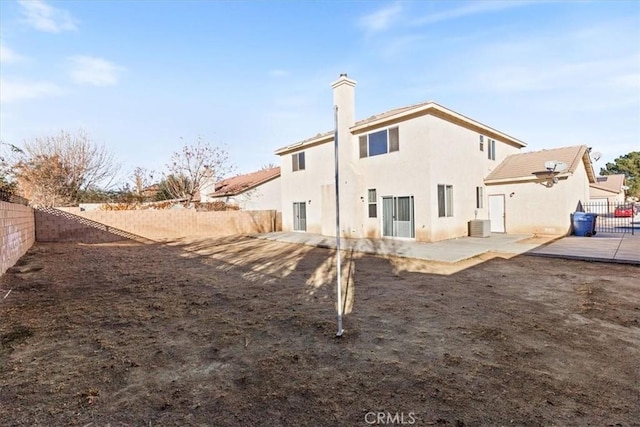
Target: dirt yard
pixel 241 332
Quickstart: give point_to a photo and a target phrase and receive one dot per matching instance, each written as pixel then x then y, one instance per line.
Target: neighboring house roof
pixel 530 166
pixel 610 183
pixel 241 183
pixel 403 114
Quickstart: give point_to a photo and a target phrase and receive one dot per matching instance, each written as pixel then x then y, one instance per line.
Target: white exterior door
pixel 496 213
pixel 299 216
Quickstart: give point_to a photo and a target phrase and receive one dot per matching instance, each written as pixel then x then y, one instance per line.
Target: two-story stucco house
pixel 415 172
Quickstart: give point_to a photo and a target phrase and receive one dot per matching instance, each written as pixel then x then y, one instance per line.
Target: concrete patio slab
pixel 449 251
pixel 607 247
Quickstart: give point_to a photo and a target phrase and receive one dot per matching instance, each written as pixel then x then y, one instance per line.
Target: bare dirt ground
pixel 240 332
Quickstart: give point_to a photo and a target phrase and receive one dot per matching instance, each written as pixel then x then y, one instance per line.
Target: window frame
pixel 480 197
pixel 298 162
pixel 491 149
pixel 445 200
pixel 372 203
pixel 392 139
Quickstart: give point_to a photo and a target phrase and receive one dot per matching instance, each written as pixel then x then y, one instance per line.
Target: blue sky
pixel 143 77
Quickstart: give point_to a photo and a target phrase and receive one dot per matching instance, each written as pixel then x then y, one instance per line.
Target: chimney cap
pixel 343 79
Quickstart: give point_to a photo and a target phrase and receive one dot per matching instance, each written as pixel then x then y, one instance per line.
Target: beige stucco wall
pixel 456 160
pixel 313 185
pixel 532 208
pixel 17 233
pixel 432 151
pixel 266 196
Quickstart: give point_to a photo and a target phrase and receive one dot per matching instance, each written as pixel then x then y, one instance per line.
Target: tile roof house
pixel 258 190
pixel 419 172
pixel 609 189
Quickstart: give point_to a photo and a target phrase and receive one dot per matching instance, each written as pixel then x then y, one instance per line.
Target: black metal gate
pixel 614 217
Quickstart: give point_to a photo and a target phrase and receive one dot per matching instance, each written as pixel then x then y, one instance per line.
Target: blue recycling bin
pixel 584 224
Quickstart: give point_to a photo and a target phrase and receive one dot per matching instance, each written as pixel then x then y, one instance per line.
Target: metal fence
pixel 615 217
pixel 8 196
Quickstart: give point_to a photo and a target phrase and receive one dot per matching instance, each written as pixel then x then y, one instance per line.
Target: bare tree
pixel 5 165
pixel 41 179
pixel 268 166
pixel 142 179
pixel 55 169
pixel 193 166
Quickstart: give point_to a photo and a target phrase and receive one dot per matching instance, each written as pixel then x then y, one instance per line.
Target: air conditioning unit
pixel 480 228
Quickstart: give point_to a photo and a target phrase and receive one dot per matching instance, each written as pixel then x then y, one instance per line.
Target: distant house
pixel 608 190
pixel 253 191
pixel 525 197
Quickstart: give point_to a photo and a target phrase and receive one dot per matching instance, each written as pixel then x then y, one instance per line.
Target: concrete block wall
pixel 54 225
pixel 17 233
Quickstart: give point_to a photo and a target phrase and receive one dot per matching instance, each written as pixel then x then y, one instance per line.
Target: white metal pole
pixel 339 263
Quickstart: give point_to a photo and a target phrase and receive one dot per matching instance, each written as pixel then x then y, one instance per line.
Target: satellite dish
pixel 555 166
pixel 596 156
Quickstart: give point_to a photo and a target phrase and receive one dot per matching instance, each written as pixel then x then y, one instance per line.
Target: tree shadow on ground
pixel 241 331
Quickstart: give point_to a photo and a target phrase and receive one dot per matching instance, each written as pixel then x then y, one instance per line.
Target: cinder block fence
pixel 53 225
pixel 21 226
pixel 17 233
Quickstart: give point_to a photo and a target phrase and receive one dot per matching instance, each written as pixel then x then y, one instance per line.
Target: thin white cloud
pixel 397 47
pixel 626 81
pixel 469 8
pixel 13 90
pixel 528 66
pixel 381 19
pixel 44 17
pixel 89 70
pixel 9 56
pixel 279 73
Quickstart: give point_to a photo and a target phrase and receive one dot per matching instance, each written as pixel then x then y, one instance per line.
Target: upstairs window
pixel 298 161
pixel 481 143
pixel 491 149
pixel 381 142
pixel 373 206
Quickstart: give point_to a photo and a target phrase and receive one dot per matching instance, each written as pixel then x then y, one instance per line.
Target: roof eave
pixel 586 159
pixel 441 112
pixel 608 190
pixel 320 139
pixel 524 179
